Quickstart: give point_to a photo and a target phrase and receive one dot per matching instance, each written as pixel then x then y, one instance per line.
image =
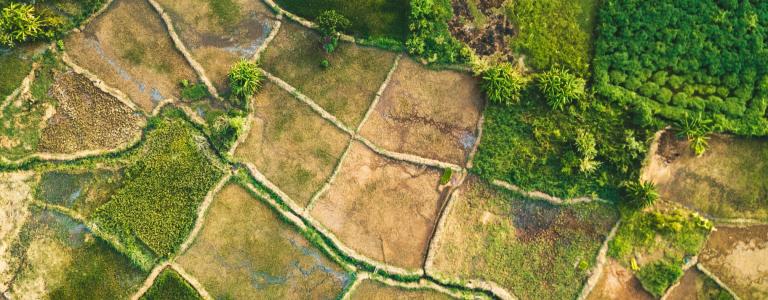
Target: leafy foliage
pixel 19 23
pixel 553 32
pixel 194 92
pixel 656 278
pixel 244 79
pixel 502 84
pixel 156 205
pixel 538 148
pixel 226 130
pixel 719 67
pixel 696 129
pixel 330 22
pixel 640 194
pixel 561 88
pixel 430 37
pixel 169 285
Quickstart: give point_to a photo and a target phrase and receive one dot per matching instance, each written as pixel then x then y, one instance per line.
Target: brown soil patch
pixel 482 25
pixel 383 209
pixel 215 43
pixel 428 113
pixel 86 118
pixel 245 251
pixel 728 181
pixel 128 47
pixel 291 144
pixel 739 257
pixel 346 88
pixel 618 283
pixel 373 290
pixel 696 285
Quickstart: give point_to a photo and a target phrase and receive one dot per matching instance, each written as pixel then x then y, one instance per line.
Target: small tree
pixel 18 23
pixel 502 84
pixel 640 194
pixel 330 23
pixel 561 88
pixel 244 79
pixel 696 129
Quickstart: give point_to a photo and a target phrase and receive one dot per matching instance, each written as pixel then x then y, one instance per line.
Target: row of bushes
pixel 719 67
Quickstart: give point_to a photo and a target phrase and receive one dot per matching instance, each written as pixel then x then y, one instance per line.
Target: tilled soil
pixel 490 39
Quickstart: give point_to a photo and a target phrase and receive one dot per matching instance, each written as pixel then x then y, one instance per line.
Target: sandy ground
pixel 381 208
pixel 739 257
pixel 618 283
pixel 435 116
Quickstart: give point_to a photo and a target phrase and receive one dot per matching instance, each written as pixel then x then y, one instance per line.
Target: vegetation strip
pixel 545 197
pixel 183 49
pixel 601 259
pixel 717 280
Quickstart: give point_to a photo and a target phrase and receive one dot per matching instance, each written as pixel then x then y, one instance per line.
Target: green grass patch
pixel 719 67
pixel 81 190
pixel 553 32
pixel 656 244
pixel 227 13
pixel 370 18
pixel 535 147
pixel 533 249
pixel 156 205
pixel 14 66
pixel 194 92
pixel 169 285
pixel 73 263
pixel 446 176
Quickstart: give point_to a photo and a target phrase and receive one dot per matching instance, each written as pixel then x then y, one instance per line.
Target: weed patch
pixel 370 18
pixel 81 190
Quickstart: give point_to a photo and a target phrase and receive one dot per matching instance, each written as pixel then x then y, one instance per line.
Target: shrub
pixel 194 92
pixel 446 176
pixel 586 144
pixel 325 64
pixel 430 37
pixel 244 79
pixel 640 194
pixel 696 129
pixel 656 278
pixel 502 84
pixel 561 88
pixel 226 130
pixel 330 22
pixel 19 23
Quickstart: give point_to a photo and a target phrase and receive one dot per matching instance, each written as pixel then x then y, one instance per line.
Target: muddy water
pixel 739 257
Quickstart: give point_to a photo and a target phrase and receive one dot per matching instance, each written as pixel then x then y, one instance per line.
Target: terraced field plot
pixel 435 117
pixel 246 252
pixel 283 143
pixel 347 173
pixel 128 47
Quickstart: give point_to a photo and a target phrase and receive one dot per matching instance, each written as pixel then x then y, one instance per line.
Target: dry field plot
pixel 218 33
pixel 86 118
pixel 129 48
pixel 728 181
pixel 696 285
pixel 739 257
pixel 383 209
pixel 246 252
pixel 618 283
pixel 428 113
pixel 63 260
pixel 373 290
pixel 533 249
pixel 15 190
pixel 291 144
pixel 345 89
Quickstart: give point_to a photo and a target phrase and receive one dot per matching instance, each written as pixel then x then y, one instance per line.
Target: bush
pixel 430 37
pixel 194 92
pixel 502 84
pixel 640 194
pixel 696 129
pixel 658 277
pixel 330 23
pixel 446 176
pixel 19 23
pixel 561 88
pixel 244 79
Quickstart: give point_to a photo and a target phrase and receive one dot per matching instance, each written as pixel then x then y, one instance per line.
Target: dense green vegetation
pixel 553 32
pixel 244 80
pixel 664 239
pixel 682 57
pixel 157 204
pixel 369 18
pixel 586 149
pixel 169 285
pixel 503 84
pixel 430 37
pixel 22 21
pixel 14 66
